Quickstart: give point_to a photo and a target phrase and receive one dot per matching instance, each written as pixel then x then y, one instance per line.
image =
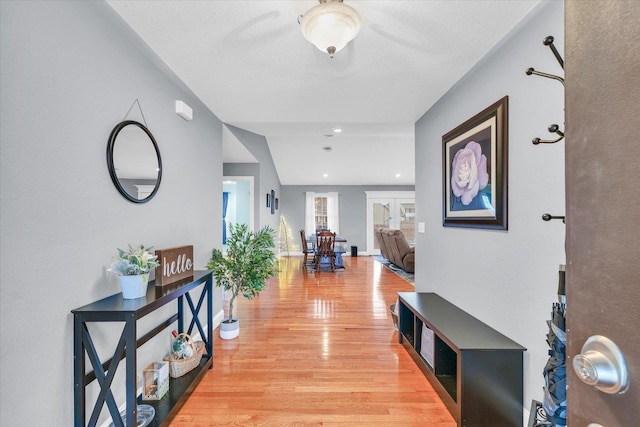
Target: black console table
pixel 477 371
pixel 129 311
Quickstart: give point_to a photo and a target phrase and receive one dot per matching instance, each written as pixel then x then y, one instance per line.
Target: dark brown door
pixel 602 88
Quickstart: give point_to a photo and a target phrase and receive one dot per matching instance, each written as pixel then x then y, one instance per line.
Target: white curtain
pixel 309 214
pixel 333 212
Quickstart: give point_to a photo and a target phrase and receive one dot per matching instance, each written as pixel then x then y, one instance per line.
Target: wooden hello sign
pixel 175 264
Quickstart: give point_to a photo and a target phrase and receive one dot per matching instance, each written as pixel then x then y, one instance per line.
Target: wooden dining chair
pixel 325 245
pixel 306 250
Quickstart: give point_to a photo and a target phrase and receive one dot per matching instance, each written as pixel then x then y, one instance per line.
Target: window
pixel 321 215
pixel 322 212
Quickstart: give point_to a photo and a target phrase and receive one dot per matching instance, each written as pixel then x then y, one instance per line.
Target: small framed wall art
pixel 474 170
pixel 273 202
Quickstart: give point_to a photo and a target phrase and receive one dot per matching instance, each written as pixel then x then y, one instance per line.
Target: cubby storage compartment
pixel 446 369
pixel 477 371
pixel 409 331
pixel 426 348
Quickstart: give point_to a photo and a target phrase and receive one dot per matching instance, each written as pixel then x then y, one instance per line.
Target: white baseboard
pixel 217 319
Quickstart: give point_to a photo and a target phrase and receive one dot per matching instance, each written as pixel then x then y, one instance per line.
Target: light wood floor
pixel 317 349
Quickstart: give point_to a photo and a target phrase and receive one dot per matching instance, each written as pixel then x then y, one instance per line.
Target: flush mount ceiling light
pixel 330 25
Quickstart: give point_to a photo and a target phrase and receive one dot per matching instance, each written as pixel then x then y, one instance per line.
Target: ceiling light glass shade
pixel 330 25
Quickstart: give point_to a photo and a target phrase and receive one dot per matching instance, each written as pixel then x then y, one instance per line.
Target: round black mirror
pixel 134 161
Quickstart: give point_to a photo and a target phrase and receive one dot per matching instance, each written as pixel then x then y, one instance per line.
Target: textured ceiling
pixel 248 62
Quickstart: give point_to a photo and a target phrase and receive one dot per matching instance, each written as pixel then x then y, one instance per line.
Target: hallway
pixel 317 349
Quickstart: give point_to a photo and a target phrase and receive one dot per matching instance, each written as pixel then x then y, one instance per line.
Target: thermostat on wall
pixel 184 111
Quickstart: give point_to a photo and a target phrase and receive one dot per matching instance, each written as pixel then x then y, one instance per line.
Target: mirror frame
pixel 112 170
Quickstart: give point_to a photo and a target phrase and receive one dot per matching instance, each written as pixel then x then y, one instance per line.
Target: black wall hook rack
pixel 549 217
pixel 554 128
pixel 532 70
pixel 548 41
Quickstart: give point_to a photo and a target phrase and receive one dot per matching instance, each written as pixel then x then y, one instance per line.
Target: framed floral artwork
pixel 474 170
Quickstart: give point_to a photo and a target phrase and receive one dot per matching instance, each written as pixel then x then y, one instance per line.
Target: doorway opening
pixel 239 201
pixel 390 209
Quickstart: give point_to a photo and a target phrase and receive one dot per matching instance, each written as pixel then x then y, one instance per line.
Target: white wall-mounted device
pixel 184 111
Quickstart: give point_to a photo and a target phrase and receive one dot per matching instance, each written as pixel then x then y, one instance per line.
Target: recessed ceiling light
pixel 397 175
pixel 325 175
pixel 337 130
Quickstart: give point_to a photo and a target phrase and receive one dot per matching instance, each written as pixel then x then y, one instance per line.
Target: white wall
pixel 508 279
pixel 267 177
pixel 70 71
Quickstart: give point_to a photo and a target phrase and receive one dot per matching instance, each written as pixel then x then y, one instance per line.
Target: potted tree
pixel 244 270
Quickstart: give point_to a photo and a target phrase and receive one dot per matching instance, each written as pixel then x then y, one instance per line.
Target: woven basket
pixel 178 366
pixel 394 316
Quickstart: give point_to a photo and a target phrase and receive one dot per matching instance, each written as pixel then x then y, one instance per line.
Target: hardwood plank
pixel 317 349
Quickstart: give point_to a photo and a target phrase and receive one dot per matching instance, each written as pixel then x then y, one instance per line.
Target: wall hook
pixel 548 41
pixel 549 217
pixel 554 128
pixel 532 70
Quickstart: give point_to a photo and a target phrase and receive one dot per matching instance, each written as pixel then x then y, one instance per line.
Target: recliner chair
pixel 394 247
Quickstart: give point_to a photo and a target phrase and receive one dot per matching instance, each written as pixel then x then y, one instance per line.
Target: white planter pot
pixel 134 286
pixel 229 330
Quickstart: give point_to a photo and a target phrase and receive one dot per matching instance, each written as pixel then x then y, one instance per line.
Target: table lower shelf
pixel 179 391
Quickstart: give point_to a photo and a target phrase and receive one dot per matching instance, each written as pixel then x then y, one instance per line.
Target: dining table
pixel 338 249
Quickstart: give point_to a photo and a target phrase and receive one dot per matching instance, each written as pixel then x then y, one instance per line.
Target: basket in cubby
pixel 394 315
pixel 180 366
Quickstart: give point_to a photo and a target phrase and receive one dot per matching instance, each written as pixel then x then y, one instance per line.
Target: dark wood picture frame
pixel 475 154
pixel 273 202
pixel 268 200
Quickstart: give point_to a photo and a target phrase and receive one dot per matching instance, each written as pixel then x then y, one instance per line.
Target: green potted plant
pixel 132 267
pixel 244 270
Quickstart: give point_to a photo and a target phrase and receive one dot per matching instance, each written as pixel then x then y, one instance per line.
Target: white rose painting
pixel 474 166
pixel 469 172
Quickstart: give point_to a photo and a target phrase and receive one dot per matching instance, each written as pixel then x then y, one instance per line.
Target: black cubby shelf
pixel 477 371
